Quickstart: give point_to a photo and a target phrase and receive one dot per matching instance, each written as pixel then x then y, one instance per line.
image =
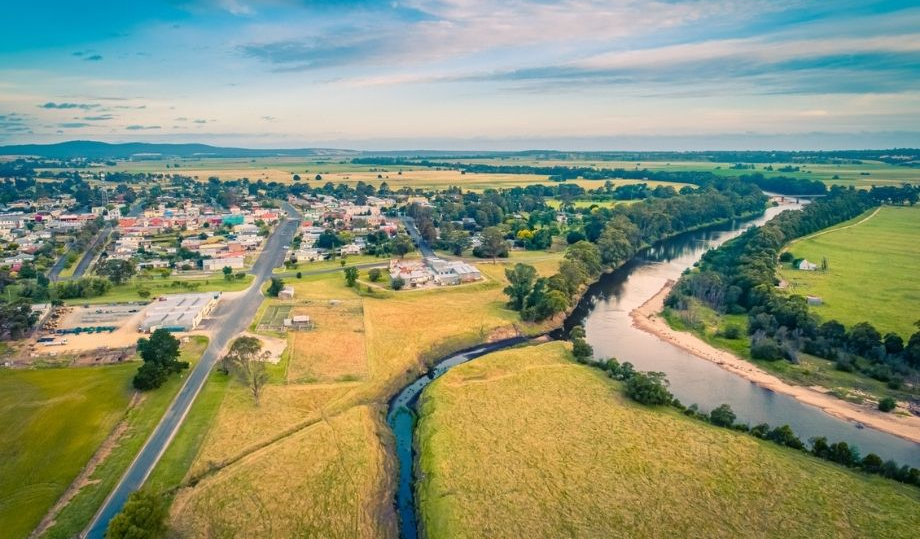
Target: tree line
pixel 611 236
pixel 740 277
pixel 651 389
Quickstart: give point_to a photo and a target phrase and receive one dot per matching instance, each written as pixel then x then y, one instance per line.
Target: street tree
pixel 351 276
pixel 247 362
pixel 118 271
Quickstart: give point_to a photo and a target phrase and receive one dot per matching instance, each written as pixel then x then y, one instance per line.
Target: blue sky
pixel 464 74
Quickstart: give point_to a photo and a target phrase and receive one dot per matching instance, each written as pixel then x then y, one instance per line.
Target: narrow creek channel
pixel 604 312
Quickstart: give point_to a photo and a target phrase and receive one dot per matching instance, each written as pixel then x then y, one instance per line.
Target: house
pixel 286 293
pixel 350 249
pixel 412 272
pixel 805 265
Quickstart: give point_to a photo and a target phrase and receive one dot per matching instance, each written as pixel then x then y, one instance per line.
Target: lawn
pixel 527 443
pixel 53 421
pixel 872 271
pixel 141 420
pixel 157 286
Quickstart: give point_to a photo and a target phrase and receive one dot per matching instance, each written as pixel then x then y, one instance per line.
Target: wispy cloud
pixel 93 58
pixel 73 125
pixel 99 118
pixel 83 106
pixel 138 127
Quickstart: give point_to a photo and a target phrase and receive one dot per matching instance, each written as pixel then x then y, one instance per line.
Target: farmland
pixel 60 418
pixel 527 443
pixel 872 270
pixel 318 433
pixel 341 169
pixel 53 421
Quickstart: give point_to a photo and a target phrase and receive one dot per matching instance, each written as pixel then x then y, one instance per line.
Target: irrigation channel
pixel 604 312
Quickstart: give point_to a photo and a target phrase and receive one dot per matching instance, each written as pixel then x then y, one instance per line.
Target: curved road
pixel 234 316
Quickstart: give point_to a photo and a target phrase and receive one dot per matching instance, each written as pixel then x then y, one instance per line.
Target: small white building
pixel 218 264
pixel 805 265
pixel 286 293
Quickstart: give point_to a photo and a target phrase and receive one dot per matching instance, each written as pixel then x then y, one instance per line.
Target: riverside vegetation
pixel 740 278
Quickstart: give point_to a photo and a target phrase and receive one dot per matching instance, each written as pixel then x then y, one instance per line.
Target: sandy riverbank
pixel 647 318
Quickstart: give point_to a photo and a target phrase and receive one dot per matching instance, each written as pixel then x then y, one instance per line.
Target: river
pixel 604 312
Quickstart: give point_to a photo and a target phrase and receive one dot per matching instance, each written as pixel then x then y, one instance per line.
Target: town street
pixel 233 317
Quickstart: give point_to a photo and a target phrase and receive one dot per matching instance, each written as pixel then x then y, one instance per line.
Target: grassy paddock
pixel 141 420
pixel 527 443
pixel 53 421
pixel 158 287
pixel 872 271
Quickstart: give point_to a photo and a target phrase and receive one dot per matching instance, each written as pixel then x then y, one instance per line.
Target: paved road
pixel 90 254
pixel 423 246
pixel 233 317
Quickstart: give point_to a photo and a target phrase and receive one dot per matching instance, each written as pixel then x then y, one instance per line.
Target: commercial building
pixel 179 312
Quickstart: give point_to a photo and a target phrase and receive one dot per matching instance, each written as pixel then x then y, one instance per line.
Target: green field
pixel 865 174
pixel 157 286
pixel 140 420
pixel 873 266
pixel 527 443
pixel 182 451
pixel 52 421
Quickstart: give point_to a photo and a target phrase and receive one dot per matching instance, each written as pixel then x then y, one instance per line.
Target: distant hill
pixel 142 150
pixel 103 150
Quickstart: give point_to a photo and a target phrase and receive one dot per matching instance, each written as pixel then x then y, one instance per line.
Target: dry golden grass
pixel 527 443
pixel 325 481
pixel 334 349
pixel 240 425
pixel 401 331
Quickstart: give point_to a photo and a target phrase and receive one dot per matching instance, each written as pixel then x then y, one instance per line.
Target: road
pixel 90 254
pixel 233 317
pixel 422 244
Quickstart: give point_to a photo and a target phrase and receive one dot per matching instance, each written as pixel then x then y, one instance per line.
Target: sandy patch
pixel 647 319
pixel 274 346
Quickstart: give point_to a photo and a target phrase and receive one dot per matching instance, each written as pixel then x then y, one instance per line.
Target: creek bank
pixel 647 318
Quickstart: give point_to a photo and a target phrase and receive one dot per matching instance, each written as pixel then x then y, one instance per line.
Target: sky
pixel 464 74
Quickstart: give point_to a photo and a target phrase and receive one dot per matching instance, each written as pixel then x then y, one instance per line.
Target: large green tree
pixel 143 517
pixel 520 282
pixel 161 358
pixel 118 271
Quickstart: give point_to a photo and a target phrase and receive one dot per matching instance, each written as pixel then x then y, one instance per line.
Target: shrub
pixel 722 416
pixel 731 331
pixel 648 388
pixel 398 283
pixel 374 274
pixel 887 404
pixel 766 349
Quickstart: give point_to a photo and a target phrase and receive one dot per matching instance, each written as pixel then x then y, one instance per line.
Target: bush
pixel 648 388
pixel 143 516
pixel 582 350
pixel 766 349
pixel 374 274
pixel 731 332
pixel 398 283
pixel 722 416
pixel 887 404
